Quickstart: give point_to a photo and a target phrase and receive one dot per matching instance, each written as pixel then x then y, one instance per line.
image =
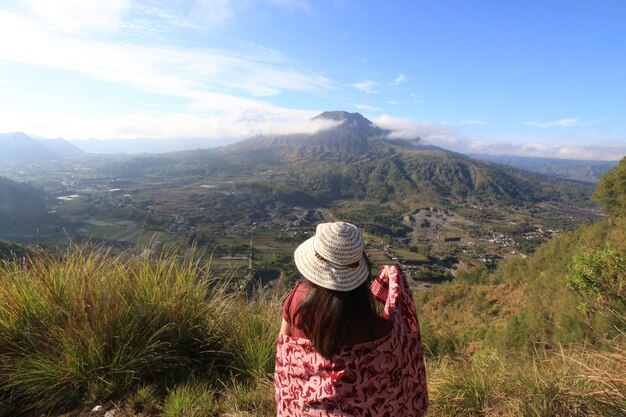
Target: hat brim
pixel 326 275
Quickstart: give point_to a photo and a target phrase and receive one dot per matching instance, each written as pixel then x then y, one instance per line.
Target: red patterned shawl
pixel 384 377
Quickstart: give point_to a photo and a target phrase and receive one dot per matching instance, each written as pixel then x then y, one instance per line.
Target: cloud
pixel 80 15
pixel 365 86
pixel 394 102
pixel 399 80
pixel 442 135
pixel 603 151
pixel 367 107
pixel 220 89
pixel 193 74
pixel 473 122
pixel 554 123
pixel 428 132
pixel 234 125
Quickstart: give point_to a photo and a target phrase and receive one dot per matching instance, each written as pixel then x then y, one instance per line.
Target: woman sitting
pixel 336 356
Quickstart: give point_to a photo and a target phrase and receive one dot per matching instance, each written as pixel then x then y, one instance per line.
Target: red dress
pixel 385 377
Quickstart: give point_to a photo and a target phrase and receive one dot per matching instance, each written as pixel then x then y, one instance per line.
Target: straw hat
pixel 334 257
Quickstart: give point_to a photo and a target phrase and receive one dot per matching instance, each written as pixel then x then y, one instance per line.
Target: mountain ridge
pixel 19 147
pixel 356 159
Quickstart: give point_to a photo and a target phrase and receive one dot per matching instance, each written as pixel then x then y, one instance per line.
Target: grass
pixel 91 326
pixel 165 337
pixel 192 399
pixel 561 383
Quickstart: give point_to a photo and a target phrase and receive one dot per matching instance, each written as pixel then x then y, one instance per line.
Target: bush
pixel 92 326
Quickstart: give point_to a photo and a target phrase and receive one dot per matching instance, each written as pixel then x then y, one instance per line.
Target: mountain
pixel 62 147
pixel 356 159
pixel 21 147
pixel 137 146
pixel 565 168
pixel 352 138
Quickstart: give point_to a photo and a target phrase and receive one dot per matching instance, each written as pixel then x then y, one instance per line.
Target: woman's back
pixel 364 328
pixel 383 377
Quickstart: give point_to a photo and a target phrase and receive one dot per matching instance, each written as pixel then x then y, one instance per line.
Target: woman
pixel 336 356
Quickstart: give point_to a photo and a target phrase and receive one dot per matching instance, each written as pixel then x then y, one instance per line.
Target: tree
pixel 600 277
pixel 611 190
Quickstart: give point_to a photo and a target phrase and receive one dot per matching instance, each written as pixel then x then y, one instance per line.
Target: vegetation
pixel 86 328
pixel 21 205
pixel 542 335
pixel 11 250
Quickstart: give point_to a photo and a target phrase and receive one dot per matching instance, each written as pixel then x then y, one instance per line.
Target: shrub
pixel 94 326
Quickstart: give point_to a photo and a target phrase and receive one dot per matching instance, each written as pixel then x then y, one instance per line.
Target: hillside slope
pixel 529 301
pixel 355 159
pixel 21 205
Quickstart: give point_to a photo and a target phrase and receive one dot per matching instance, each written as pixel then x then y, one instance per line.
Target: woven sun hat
pixel 334 258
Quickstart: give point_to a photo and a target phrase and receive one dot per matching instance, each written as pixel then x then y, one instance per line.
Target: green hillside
pixel 571 290
pixel 355 160
pixel 9 250
pixel 21 205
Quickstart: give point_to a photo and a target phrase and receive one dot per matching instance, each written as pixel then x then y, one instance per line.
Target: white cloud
pixel 367 107
pixel 442 135
pixel 399 80
pixel 214 83
pixel 365 86
pixel 80 15
pixel 428 132
pixel 603 151
pixel 170 71
pixel 234 125
pixel 554 123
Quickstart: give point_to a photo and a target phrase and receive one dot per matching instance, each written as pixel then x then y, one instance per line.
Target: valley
pixel 249 224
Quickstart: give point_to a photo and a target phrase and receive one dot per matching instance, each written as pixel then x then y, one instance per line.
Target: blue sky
pixel 537 78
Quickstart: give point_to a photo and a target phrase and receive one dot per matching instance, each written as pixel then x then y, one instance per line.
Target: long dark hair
pixel 326 316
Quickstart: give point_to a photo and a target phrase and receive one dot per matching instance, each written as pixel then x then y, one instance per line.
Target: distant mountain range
pixel 136 146
pixel 565 168
pixel 356 160
pixel 21 147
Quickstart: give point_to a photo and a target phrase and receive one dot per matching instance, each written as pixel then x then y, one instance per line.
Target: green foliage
pixel 491 383
pixel 145 399
pixel 248 399
pixel 433 273
pixel 11 250
pixel 611 190
pixel 378 219
pixel 21 205
pixel 253 341
pixel 600 277
pixel 92 326
pixel 192 399
pixel 477 275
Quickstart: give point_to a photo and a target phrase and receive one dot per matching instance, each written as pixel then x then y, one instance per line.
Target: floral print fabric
pixel 384 377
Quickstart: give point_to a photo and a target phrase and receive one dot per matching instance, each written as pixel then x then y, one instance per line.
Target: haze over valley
pixel 249 203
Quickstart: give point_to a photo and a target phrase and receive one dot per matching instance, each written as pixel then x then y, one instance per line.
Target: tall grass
pixel 578 382
pixel 88 326
pixel 254 335
pixel 165 336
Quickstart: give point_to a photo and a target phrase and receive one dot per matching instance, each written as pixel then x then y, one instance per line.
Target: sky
pixel 518 77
